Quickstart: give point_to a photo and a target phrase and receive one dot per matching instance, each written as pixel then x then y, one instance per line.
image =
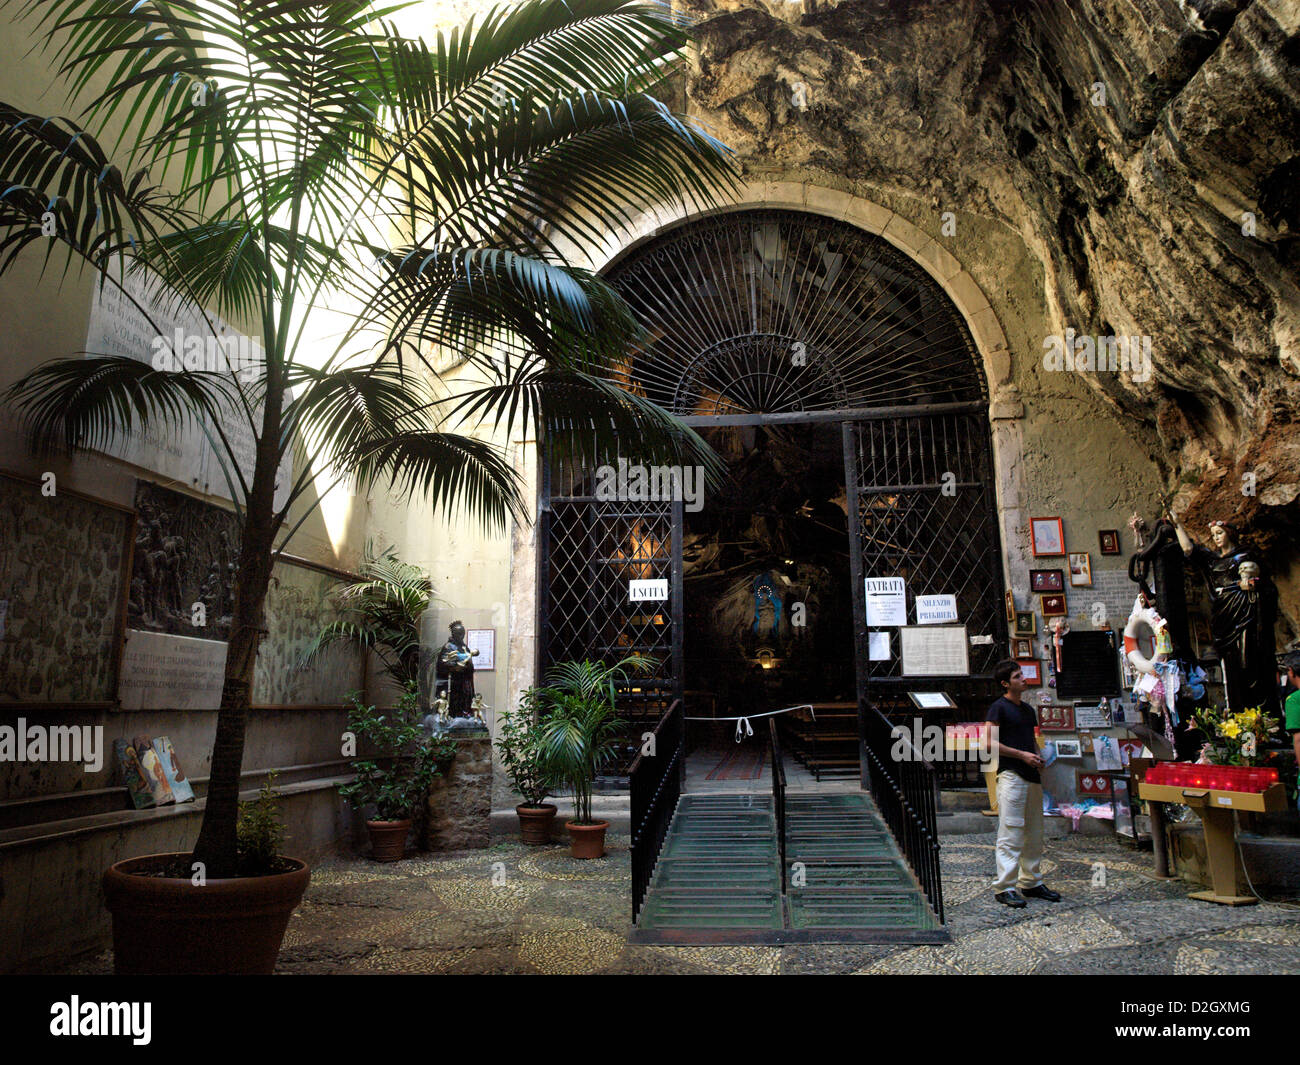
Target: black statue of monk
pixel 456 665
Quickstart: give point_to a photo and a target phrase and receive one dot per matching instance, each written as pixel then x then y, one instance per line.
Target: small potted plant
pixel 579 735
pixel 519 747
pixel 395 779
pixel 169 919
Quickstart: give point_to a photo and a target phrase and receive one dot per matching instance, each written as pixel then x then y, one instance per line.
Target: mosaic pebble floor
pixel 516 909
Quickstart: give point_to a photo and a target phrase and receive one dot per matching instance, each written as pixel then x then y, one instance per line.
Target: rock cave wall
pixel 1115 167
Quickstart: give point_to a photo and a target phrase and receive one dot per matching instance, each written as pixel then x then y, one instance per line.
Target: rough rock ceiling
pixel 1135 206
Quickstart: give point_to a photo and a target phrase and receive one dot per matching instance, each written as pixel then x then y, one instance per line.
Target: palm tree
pixel 382 614
pixel 271 149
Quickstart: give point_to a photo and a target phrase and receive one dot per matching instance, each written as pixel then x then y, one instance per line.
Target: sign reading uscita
pixel 651 591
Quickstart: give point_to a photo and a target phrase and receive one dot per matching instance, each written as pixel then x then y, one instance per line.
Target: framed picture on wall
pixel 1080 570
pixel 1031 670
pixel 1053 605
pixel 1011 607
pixel 1026 623
pixel 1048 536
pixel 1022 648
pixel 1109 540
pixel 1047 580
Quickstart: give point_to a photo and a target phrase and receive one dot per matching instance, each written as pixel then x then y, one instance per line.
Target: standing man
pixel 1020 793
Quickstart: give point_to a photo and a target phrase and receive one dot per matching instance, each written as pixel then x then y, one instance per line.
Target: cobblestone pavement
pixel 516 909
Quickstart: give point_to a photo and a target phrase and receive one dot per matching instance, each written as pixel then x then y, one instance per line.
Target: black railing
pixel 904 790
pixel 778 795
pixel 655 781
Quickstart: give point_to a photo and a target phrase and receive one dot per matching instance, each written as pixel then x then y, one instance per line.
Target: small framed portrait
pixel 1047 580
pixel 1048 536
pixel 1031 671
pixel 1080 570
pixel 1011 608
pixel 1022 647
pixel 1053 606
pixel 1109 540
pixel 1068 749
pixel 1026 623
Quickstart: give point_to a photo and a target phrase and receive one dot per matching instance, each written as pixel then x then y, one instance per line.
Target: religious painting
pixel 1048 536
pixel 1021 648
pixel 1109 540
pixel 1026 623
pixel 1047 580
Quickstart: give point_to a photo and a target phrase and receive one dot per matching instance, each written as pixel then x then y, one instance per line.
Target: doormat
pixel 740 763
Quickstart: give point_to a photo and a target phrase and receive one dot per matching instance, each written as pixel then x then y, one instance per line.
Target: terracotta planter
pixel 535 822
pixel 167 926
pixel 587 841
pixel 388 839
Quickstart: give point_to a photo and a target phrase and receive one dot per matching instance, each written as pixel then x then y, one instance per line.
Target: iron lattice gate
pixel 922 489
pixel 590 549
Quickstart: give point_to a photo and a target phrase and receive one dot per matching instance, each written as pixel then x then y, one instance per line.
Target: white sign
pixel 651 591
pixel 163 672
pixel 878 646
pixel 934 651
pixel 935 609
pixel 886 602
pixel 484 641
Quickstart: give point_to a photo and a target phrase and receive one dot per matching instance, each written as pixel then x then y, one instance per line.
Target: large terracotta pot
pixel 388 839
pixel 535 822
pixel 168 926
pixel 587 841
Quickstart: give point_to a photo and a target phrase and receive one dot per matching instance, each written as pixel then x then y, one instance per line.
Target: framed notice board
pixel 1089 666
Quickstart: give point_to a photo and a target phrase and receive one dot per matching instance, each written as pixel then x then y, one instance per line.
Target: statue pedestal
pixel 459 804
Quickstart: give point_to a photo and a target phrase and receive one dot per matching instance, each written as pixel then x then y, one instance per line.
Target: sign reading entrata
pixel 651 591
pixel 886 602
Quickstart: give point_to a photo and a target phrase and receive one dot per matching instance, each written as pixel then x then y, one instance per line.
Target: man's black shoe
pixel 1012 899
pixel 1042 892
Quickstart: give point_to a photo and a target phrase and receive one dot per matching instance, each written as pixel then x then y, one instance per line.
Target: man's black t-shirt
pixel 1016 725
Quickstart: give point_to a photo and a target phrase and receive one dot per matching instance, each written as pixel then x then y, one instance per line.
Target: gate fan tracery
pixel 775 311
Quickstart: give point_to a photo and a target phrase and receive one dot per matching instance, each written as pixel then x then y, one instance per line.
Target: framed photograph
pixel 1068 749
pixel 1048 535
pixel 1011 608
pixel 1022 648
pixel 1080 570
pixel 1026 623
pixel 1047 580
pixel 1109 540
pixel 1031 671
pixel 1053 606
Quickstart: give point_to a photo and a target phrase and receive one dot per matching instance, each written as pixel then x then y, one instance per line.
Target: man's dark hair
pixel 1003 670
pixel 1291 660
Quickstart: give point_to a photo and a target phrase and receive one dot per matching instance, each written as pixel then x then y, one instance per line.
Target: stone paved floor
pixel 516 909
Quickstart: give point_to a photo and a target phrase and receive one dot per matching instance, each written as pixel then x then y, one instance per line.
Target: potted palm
pixel 519 746
pixel 579 735
pixel 394 778
pixel 279 160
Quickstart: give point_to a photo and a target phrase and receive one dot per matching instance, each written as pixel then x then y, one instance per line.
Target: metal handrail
pixel 904 790
pixel 655 782
pixel 778 795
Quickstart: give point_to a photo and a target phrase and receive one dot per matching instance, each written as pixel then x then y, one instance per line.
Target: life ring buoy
pixel 1141 615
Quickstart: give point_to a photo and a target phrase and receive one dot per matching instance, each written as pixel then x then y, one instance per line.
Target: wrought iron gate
pixel 762 316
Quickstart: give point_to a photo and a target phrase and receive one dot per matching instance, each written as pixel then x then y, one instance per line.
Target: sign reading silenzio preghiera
pixel 886 602
pixel 649 591
pixel 936 609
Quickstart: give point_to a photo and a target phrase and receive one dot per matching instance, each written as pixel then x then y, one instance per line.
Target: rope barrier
pixel 744 728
